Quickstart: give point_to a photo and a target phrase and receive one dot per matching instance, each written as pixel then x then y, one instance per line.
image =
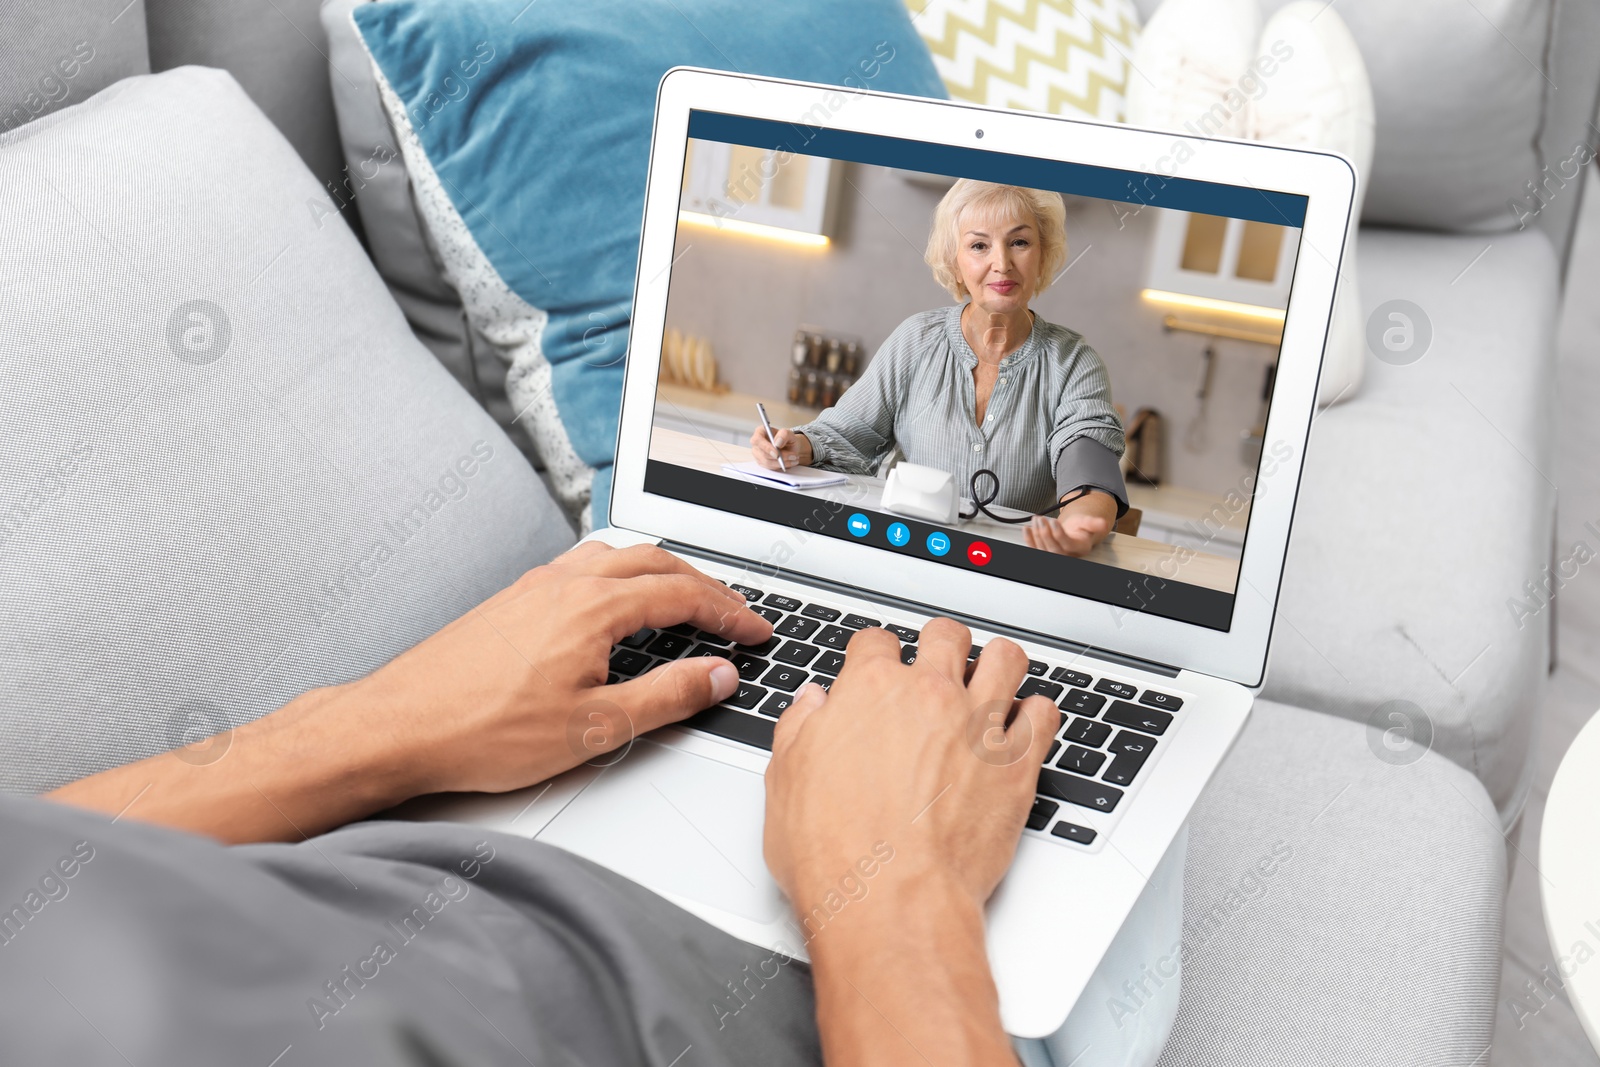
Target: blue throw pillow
pixel 535 119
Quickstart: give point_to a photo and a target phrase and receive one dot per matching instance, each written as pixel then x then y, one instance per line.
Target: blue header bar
pixel 1078 179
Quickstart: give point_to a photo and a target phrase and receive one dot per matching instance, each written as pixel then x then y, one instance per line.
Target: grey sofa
pixel 1396 589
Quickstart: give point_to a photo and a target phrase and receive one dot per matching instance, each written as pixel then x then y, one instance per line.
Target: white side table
pixel 1569 859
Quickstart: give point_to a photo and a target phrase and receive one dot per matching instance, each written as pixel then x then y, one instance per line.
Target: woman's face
pixel 999 262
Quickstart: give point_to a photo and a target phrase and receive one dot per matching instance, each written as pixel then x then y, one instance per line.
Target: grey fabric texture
pixel 275 50
pixel 1472 101
pixel 1424 525
pixel 55 55
pixel 228 471
pixel 167 949
pixel 1375 939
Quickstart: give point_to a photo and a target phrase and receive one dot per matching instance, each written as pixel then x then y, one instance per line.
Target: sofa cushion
pixel 1338 908
pixel 526 135
pixel 1460 92
pixel 1417 569
pixel 228 472
pixel 275 50
pixel 56 55
pixel 1066 58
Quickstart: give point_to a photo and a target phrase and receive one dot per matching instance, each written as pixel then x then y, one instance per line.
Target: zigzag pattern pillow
pixel 1064 57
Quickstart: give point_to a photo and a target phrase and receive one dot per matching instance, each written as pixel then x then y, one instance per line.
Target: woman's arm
pixel 1077 527
pixel 510 694
pixel 855 434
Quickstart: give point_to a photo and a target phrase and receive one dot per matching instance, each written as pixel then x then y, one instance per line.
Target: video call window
pixel 1053 373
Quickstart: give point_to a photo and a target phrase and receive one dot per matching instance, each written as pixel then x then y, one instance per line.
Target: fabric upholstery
pixel 1424 522
pixel 55 55
pixel 1462 94
pixel 1066 57
pixel 276 50
pixel 532 139
pixel 228 472
pixel 1338 908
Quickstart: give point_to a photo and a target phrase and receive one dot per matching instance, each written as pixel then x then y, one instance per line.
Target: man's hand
pixel 796 448
pixel 1077 528
pixel 937 772
pixel 509 694
pixel 492 700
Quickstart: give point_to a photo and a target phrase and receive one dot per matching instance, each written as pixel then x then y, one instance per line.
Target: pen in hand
pixel 761 409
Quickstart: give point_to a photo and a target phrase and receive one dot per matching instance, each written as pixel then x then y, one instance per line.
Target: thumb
pixel 675 690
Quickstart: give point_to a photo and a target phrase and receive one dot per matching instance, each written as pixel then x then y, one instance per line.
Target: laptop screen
pixel 1053 373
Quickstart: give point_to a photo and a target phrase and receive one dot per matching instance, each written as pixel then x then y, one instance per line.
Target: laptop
pixel 782 237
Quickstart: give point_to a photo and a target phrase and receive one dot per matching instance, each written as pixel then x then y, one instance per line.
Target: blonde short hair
pixel 991 201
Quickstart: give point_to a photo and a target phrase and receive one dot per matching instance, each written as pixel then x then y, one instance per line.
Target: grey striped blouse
pixel 1049 427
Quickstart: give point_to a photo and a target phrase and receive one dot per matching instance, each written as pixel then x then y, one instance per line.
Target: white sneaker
pixel 1187 66
pixel 1320 97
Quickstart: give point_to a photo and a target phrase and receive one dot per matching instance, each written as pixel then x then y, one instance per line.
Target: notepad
pixel 794 477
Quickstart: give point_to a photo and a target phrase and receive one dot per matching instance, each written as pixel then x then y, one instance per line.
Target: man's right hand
pixel 894 807
pixel 796 448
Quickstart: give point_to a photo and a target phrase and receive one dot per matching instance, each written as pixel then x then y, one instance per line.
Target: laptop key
pixel 1082 702
pixel 1072 832
pixel 707 650
pixel 834 637
pixel 1070 677
pixel 1079 760
pixel 1084 792
pixel 1037 669
pixel 765 648
pixel 1116 689
pixel 904 633
pixel 772 615
pixel 1132 744
pixel 858 622
pixel 777 704
pixel 638 640
pixel 612 679
pixel 1164 701
pixel 908 654
pixel 746 696
pixel 1087 732
pixel 796 626
pixel 820 611
pixel 628 663
pixel 829 663
pixel 687 629
pixel 670 646
pixel 824 681
pixel 1124 769
pixel 786 678
pixel 750 667
pixel 1149 720
pixel 796 654
pixel 1055 746
pixel 1043 811
pixel 784 603
pixel 712 639
pixel 976 651
pixel 1038 687
pixel 750 594
pixel 734 725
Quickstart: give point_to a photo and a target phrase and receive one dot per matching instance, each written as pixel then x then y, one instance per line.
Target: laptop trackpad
pixel 676 823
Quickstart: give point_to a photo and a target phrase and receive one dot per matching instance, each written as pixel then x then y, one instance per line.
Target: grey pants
pixel 417 944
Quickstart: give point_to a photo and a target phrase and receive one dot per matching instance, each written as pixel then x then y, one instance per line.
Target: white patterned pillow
pixel 1064 57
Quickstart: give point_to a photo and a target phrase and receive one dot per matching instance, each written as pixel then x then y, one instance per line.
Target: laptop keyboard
pixel 1107 732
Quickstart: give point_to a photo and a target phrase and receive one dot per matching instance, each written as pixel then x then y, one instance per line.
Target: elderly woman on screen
pixel 987 383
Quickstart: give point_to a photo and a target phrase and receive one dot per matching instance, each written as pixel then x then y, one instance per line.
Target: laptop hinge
pixel 1076 648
